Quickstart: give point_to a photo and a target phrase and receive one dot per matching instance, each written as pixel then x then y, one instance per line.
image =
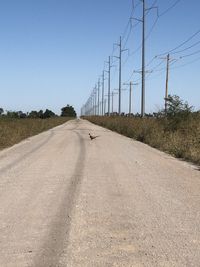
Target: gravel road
pixel 69 201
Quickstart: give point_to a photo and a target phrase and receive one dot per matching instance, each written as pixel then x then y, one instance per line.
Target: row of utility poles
pixel 94 106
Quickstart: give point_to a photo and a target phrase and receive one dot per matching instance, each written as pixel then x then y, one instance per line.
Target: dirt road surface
pixel 68 201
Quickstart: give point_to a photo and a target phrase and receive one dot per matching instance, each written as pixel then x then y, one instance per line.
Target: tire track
pixel 53 245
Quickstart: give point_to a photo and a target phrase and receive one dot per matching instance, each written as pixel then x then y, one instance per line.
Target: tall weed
pixel 179 136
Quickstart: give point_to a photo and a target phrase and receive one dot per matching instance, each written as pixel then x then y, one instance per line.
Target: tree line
pixel 67 111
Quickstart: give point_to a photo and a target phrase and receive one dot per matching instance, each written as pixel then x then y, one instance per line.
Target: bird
pixel 92 136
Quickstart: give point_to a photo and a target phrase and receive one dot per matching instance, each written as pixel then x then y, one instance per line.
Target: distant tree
pixel 33 114
pixel 12 114
pixel 48 114
pixel 22 115
pixel 68 111
pixel 40 114
pixel 1 111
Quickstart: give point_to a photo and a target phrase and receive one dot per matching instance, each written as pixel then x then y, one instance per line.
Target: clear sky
pixel 52 52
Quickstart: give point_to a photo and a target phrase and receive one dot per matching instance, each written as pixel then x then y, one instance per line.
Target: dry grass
pixel 12 131
pixel 179 136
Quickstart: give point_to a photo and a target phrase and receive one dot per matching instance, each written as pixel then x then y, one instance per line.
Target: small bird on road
pixel 92 136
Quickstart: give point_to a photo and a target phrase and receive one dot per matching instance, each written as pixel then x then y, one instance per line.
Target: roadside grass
pixel 177 136
pixel 12 131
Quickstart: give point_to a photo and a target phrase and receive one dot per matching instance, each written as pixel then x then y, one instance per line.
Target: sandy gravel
pixel 69 201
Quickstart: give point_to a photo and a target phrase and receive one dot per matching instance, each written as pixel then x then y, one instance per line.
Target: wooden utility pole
pixel 169 60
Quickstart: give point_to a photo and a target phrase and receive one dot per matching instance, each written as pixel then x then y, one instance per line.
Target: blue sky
pixel 52 52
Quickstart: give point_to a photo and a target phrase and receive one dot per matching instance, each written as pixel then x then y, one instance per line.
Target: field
pixel 177 136
pixel 12 131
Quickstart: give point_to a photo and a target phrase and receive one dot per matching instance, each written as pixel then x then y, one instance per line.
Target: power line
pixel 188 63
pixel 133 26
pixel 152 28
pixel 130 24
pixel 192 54
pixel 127 26
pixel 140 46
pixel 168 9
pixel 180 45
pixel 129 21
pixel 187 48
pixel 125 38
pixel 173 68
pixel 162 69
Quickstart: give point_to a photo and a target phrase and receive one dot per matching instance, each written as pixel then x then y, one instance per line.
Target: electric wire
pixel 188 63
pixel 187 48
pixel 191 54
pixel 168 9
pixel 126 36
pixel 180 45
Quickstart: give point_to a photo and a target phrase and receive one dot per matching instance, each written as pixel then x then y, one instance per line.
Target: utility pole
pixel 109 68
pixel 143 72
pixel 104 106
pixel 120 72
pixel 112 101
pixel 131 84
pixel 130 96
pixel 98 107
pixel 143 54
pixel 95 93
pixel 103 93
pixel 91 105
pixel 169 60
pixel 143 61
pixel 93 102
pixel 109 87
pixel 166 87
pixel 113 94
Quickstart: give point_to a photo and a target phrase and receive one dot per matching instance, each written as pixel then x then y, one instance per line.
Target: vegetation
pixel 177 131
pixel 17 125
pixel 68 111
pixel 14 130
pixel 42 115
